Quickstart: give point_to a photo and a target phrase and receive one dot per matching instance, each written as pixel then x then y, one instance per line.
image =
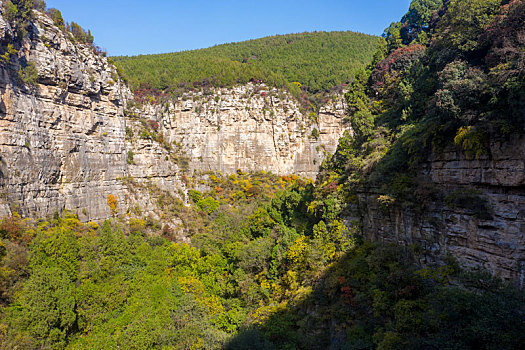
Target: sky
pixel 132 27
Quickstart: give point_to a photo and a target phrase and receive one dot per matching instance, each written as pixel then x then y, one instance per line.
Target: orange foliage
pixel 112 201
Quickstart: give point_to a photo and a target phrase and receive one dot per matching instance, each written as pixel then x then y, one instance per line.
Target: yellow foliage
pixel 473 141
pixel 247 185
pixel 263 281
pixel 213 303
pixel 192 285
pixel 112 201
pixel 263 313
pixel 93 225
pixel 291 280
pixel 277 291
pixel 297 250
pixel 198 344
pixel 136 224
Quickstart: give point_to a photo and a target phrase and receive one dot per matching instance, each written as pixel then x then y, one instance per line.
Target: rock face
pixel 66 139
pixel 477 213
pixel 63 141
pixel 250 128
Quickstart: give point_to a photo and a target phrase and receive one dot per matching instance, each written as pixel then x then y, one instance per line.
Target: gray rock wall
pixel 63 142
pixel 477 214
pixel 250 128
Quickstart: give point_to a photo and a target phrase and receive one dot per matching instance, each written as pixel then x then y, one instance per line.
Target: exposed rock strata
pixel 63 142
pixel 250 128
pixel 477 214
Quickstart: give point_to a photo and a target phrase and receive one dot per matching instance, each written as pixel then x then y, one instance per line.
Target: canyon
pixel 63 142
pixel 77 136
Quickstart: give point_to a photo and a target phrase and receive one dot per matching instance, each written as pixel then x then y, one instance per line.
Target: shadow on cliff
pixel 377 297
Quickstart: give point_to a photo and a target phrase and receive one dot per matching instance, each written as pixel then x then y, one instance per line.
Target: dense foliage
pixel 451 73
pixel 315 62
pixel 267 270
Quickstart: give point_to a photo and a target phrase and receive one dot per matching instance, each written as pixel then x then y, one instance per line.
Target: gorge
pixel 222 211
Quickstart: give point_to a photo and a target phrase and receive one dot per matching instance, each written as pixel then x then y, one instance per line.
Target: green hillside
pixel 318 61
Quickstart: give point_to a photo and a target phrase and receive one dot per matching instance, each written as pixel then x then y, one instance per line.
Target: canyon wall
pixel 68 139
pixel 250 127
pixel 63 137
pixel 473 209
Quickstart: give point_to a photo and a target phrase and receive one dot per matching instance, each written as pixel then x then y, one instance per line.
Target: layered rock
pixel 250 128
pixel 66 144
pixel 63 140
pixel 475 210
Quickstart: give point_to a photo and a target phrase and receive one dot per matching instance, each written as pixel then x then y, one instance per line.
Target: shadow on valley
pixel 376 297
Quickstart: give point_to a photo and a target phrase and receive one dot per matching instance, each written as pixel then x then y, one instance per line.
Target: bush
pixel 79 34
pixel 473 141
pixel 129 158
pixel 315 133
pixel 208 205
pixel 56 16
pixel 28 75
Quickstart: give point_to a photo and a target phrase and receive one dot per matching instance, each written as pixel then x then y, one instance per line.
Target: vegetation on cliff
pixel 20 14
pixel 451 73
pixel 272 264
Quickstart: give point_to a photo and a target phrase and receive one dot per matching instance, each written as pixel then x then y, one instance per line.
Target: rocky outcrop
pixel 251 128
pixel 63 140
pixel 475 210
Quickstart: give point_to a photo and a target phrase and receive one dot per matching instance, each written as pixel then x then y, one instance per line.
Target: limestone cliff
pixel 473 209
pixel 69 138
pixel 251 128
pixel 63 140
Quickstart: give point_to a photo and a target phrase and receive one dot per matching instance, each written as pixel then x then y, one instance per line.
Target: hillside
pixel 436 157
pixel 318 61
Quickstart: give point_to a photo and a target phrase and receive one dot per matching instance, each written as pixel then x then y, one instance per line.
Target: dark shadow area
pixel 376 297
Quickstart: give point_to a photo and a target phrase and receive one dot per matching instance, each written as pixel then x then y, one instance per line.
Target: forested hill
pixel 315 61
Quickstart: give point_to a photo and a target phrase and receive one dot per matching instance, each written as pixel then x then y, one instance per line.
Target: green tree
pixel 56 16
pixel 47 306
pixel 418 18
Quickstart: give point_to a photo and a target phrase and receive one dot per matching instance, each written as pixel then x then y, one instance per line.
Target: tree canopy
pixel 316 61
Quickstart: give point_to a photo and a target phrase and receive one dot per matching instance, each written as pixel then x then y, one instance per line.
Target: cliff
pixel 473 209
pixel 63 140
pixel 68 140
pixel 250 127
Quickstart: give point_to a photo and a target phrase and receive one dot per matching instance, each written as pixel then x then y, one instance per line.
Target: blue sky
pixel 130 27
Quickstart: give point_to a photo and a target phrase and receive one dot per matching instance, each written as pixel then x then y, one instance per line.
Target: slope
pixel 317 61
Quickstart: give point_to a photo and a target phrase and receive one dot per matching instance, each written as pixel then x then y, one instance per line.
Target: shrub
pixel 129 158
pixel 79 34
pixel 56 16
pixel 315 133
pixel 208 205
pixel 112 202
pixel 473 141
pixel 195 195
pixel 28 75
